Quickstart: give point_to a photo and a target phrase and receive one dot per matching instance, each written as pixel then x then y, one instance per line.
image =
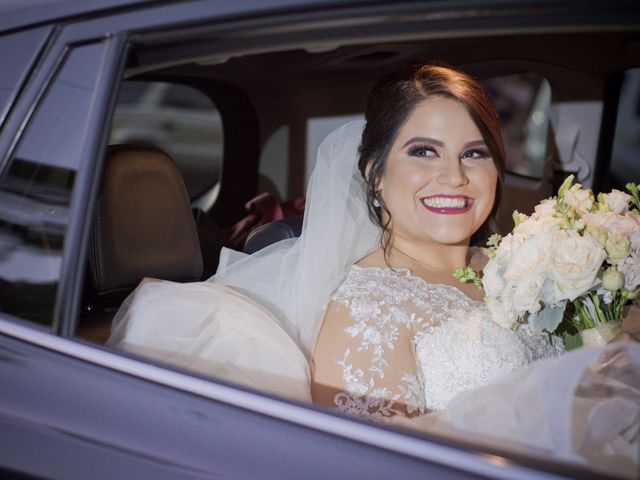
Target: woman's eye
pixel 422 151
pixel 479 154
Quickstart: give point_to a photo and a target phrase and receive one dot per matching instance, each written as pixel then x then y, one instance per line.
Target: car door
pixel 73 409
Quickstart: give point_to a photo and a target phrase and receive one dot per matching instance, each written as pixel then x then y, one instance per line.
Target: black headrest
pixel 143 225
pixel 273 232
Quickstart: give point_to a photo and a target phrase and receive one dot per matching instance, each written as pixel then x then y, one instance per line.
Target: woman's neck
pixel 436 258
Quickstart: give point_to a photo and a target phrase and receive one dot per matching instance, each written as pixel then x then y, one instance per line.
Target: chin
pixel 446 235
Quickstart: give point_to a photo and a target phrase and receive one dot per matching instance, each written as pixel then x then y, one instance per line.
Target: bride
pixel 401 334
pixel 362 311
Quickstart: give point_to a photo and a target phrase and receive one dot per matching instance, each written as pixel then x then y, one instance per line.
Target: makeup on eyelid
pixel 439 181
pixel 476 153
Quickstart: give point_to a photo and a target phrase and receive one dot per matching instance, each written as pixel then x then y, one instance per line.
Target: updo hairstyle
pixel 390 104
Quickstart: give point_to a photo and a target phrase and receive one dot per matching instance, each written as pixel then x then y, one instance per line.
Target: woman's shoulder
pixel 378 284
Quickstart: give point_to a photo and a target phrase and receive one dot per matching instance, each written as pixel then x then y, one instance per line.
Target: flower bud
pixel 617 247
pixel 617 201
pixel 612 279
pixel 597 234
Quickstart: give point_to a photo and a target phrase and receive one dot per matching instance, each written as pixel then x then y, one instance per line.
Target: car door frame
pixel 310 430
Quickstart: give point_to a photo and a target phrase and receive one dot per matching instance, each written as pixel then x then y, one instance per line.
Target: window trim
pixel 85 192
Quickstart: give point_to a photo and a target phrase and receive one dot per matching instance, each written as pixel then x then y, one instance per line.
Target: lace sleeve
pixel 365 363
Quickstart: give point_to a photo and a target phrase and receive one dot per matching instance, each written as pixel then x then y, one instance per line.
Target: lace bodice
pixel 452 344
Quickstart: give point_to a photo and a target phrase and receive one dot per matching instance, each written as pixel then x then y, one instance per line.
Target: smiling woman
pixel 432 185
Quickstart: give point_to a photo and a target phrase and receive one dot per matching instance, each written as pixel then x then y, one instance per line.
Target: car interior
pixel 275 98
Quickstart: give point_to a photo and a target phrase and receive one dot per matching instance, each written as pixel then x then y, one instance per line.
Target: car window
pixel 625 156
pixel 179 119
pixel 183 96
pixel 18 52
pixel 36 188
pixel 523 102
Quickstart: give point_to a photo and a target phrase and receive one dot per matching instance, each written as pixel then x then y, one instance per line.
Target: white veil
pixel 295 277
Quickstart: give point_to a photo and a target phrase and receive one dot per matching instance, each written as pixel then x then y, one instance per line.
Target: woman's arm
pixel 367 369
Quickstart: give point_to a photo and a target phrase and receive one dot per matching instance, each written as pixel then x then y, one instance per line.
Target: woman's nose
pixel 453 174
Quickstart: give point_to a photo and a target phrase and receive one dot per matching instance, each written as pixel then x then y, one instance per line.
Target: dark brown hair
pixel 390 104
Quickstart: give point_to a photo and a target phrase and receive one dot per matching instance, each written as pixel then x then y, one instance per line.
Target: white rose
pixel 526 297
pixel 544 216
pixel 501 311
pixel 580 199
pixel 533 227
pixel 531 258
pixel 574 266
pixel 617 201
pixel 597 234
pixel 630 268
pixel 609 221
pixel 634 239
pixel 508 245
pixel 617 246
pixel 492 281
pixel 545 210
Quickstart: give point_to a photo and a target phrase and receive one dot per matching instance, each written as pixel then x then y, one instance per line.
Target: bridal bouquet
pixel 576 258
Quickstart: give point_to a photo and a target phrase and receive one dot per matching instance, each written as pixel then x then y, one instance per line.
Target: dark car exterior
pixel 70 408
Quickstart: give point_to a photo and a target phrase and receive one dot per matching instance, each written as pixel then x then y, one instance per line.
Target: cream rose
pixel 634 239
pixel 609 221
pixel 574 266
pixel 531 258
pixel 630 268
pixel 492 281
pixel 617 201
pixel 617 247
pixel 597 234
pixel 580 199
pixel 526 297
pixel 502 311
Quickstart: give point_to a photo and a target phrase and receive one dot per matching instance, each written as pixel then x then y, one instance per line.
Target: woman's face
pixel 439 181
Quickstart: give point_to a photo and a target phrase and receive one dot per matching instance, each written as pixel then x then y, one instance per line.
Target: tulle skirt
pixel 570 408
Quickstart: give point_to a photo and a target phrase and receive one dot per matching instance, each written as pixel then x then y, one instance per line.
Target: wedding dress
pixel 455 343
pixel 256 321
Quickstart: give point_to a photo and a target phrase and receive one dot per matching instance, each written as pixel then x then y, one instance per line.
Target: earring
pixel 376 203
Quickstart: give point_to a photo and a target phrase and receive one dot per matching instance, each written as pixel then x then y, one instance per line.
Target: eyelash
pixel 415 150
pixel 479 153
pixel 419 149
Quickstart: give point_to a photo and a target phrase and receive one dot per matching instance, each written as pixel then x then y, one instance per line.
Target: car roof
pixel 19 13
pixel 16 14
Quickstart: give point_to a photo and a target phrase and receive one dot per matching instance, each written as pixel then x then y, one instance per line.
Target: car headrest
pixel 273 232
pixel 143 225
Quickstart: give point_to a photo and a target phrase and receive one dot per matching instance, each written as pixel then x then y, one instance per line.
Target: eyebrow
pixel 439 143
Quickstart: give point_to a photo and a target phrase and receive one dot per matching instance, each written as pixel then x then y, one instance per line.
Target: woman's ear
pixel 367 170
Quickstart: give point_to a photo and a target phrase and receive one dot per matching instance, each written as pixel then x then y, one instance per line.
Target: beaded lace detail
pixel 455 344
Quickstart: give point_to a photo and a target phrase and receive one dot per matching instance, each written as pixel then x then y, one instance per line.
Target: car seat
pixel 142 227
pixel 273 232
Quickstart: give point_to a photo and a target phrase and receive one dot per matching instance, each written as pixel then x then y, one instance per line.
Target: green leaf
pixel 547 319
pixel 566 185
pixel 635 198
pixel 467 274
pixel 494 240
pixel 571 342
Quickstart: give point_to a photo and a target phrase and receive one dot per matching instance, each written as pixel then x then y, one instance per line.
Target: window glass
pixel 274 164
pixel 18 52
pixel 625 156
pixel 35 190
pixel 523 101
pixel 179 119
